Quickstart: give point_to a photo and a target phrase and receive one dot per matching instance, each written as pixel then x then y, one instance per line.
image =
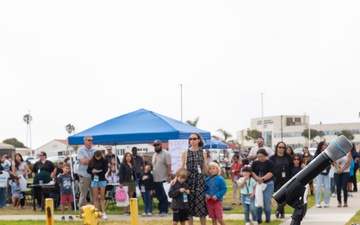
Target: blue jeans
pixel 322 180
pixel 147 202
pixel 267 195
pixel 332 185
pixel 249 208
pixel 341 181
pixel 3 196
pixel 161 196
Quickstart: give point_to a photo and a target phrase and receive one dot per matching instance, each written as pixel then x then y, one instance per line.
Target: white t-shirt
pixel 254 150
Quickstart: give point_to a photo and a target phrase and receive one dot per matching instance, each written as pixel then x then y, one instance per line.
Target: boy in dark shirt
pixel 179 194
pixel 66 196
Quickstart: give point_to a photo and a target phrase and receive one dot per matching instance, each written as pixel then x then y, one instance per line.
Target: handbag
pixel 259 200
pixel 23 184
pixel 123 203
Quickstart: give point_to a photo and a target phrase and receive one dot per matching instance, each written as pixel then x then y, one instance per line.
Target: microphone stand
pixel 295 198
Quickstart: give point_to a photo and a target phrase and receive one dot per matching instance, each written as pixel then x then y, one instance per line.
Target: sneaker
pixel 318 206
pixel 71 218
pixel 144 214
pixel 149 214
pixel 63 218
pixel 326 206
pixel 255 223
pixel 163 214
pixel 333 195
pixel 247 223
pixel 104 217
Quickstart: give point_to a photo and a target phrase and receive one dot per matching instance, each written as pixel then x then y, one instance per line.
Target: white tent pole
pixel 72 177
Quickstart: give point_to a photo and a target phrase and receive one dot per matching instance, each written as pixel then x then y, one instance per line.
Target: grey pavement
pixel 330 216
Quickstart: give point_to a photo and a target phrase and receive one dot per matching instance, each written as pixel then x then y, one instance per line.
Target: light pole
pixel 262 117
pixel 181 103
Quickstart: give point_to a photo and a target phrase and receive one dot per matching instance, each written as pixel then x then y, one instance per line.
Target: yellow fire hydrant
pixel 90 214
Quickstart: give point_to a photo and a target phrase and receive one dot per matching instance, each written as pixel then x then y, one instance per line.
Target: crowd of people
pixel 197 188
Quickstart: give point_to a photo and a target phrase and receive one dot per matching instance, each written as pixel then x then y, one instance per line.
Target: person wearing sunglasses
pixel 297 164
pixel 282 163
pixel 84 155
pixel 161 162
pixel 194 160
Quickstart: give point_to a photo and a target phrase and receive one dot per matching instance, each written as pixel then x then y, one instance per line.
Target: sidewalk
pixel 314 216
pixel 330 216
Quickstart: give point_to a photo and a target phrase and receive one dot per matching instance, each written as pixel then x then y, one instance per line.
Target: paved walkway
pixel 330 216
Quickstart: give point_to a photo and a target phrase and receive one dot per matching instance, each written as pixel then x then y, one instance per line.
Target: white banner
pixel 176 147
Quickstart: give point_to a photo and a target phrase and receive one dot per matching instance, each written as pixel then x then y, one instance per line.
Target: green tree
pixel 313 134
pixel 14 142
pixel 193 123
pixel 70 128
pixel 347 133
pixel 252 135
pixel 225 134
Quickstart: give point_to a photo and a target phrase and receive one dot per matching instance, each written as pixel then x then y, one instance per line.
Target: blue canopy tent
pixel 141 126
pixel 213 143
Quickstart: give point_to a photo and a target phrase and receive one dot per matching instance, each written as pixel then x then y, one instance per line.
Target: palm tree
pixel 225 134
pixel 70 128
pixel 193 123
pixel 27 119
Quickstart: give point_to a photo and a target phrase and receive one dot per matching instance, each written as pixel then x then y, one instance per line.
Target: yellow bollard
pixel 134 211
pixel 49 209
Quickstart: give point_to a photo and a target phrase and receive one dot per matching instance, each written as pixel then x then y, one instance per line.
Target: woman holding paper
pixel 98 167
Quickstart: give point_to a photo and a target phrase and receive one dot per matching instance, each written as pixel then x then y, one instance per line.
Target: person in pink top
pixel 235 170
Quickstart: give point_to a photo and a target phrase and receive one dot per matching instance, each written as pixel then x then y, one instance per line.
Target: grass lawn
pixel 235 209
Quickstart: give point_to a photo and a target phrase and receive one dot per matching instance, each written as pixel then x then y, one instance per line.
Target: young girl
pixel 247 186
pixel 128 176
pixel 147 187
pixel 97 168
pixel 111 175
pixel 235 170
pixel 15 190
pixel 215 189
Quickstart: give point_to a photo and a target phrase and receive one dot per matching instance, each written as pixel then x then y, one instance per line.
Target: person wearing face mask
pixel 161 162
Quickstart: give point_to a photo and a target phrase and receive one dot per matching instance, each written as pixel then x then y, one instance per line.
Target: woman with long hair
pixel 322 179
pixel 128 177
pixel 19 167
pixel 98 167
pixel 282 163
pixel 194 160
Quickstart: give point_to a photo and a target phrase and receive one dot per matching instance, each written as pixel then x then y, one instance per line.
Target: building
pixel 288 128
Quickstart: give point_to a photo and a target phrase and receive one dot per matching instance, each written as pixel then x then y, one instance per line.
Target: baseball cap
pixel 157 142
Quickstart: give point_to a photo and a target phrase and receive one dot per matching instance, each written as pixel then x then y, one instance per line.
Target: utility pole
pixel 181 103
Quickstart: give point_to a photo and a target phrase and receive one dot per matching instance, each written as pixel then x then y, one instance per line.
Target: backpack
pixel 120 195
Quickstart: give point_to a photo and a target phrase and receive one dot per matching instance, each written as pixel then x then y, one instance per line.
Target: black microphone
pixel 337 149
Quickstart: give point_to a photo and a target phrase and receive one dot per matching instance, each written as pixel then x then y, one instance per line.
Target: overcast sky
pixel 84 62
